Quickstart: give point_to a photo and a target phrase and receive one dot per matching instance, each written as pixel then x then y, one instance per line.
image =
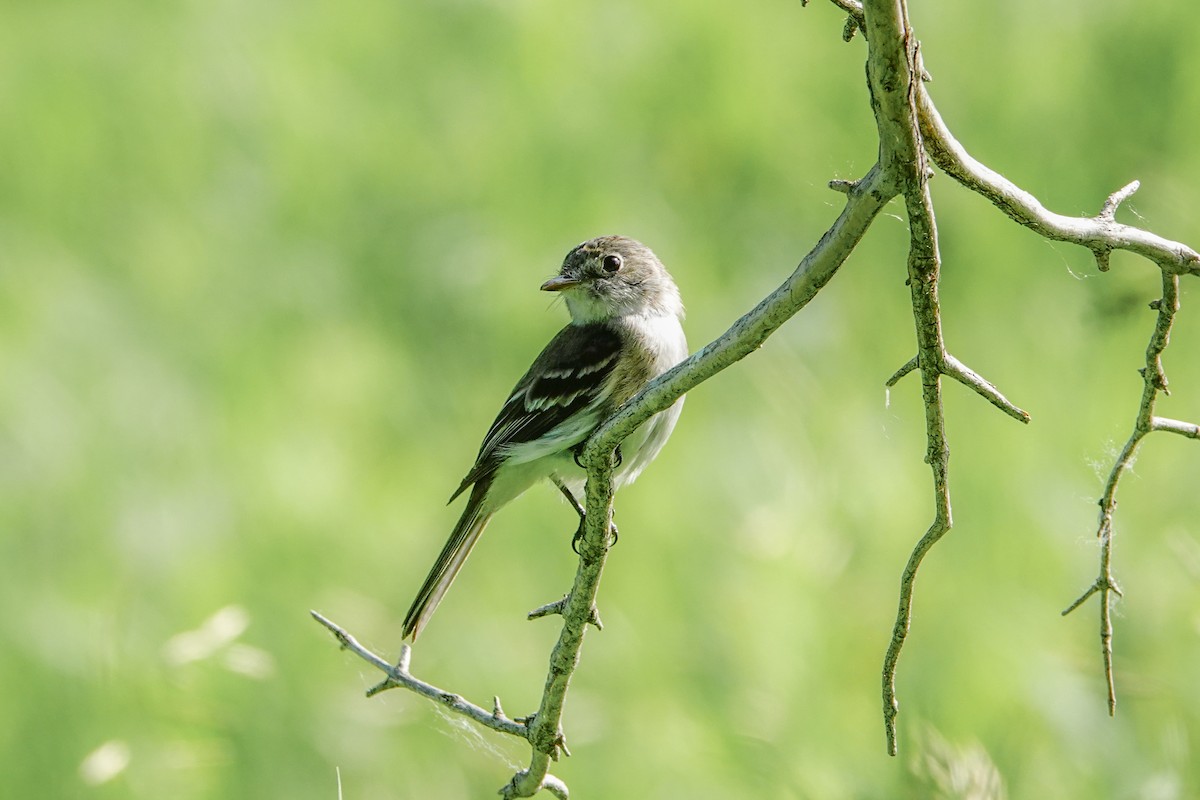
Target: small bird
pixel 624 332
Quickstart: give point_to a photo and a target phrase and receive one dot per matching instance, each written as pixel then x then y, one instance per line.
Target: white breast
pixel 662 336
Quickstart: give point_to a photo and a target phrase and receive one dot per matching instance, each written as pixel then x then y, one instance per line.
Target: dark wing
pixel 565 378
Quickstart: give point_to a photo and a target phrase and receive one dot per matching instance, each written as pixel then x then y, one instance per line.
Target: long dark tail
pixel 445 569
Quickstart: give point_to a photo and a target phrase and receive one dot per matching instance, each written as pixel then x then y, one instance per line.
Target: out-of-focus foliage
pixel 269 268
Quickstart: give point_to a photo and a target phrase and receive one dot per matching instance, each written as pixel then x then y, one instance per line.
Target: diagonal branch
pixel 398 675
pixel 865 199
pixel 954 368
pixel 1101 234
pixel 951 367
pixel 1154 382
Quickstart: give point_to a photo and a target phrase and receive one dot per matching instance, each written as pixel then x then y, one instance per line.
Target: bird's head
pixel 614 276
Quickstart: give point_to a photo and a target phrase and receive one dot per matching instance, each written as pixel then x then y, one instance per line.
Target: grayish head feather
pixel 618 277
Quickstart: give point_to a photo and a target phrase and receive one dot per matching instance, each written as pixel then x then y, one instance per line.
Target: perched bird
pixel 624 332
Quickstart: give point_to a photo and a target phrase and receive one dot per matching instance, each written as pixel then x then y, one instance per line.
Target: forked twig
pixel 1154 382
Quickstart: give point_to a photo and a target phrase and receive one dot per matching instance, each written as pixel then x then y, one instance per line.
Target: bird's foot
pixel 613 533
pixel 618 459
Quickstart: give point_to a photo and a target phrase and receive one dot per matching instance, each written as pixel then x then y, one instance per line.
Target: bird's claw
pixel 617 457
pixel 612 530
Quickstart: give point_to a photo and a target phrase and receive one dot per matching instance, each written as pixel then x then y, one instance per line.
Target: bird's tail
pixel 458 547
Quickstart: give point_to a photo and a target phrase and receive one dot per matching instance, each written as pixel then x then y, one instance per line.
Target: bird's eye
pixel 611 263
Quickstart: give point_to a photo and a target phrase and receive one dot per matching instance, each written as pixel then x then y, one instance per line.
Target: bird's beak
pixel 558 283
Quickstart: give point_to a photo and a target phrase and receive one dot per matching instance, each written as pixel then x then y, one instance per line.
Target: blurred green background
pixel 269 269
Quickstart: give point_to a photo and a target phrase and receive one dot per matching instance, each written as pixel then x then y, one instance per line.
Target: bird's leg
pixel 579 509
pixel 567 493
pixel 582 512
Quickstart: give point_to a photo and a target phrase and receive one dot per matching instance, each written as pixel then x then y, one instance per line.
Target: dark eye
pixel 611 263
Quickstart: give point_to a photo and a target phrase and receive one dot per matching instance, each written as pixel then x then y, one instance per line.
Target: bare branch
pixel 854 20
pixel 522 784
pixel 887 22
pixel 515 787
pixel 864 201
pixel 968 377
pixel 952 367
pixel 1154 381
pixel 1109 210
pixel 851 7
pixel 399 676
pixel 1108 213
pixel 558 606
pixel 894 77
pixel 910 131
pixel 1188 429
pixel 908 367
pixel 543 730
pixel 1100 234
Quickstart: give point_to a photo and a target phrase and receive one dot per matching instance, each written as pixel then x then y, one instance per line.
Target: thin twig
pixel 522 784
pixel 549 609
pixel 908 367
pixel 559 606
pixel 1188 429
pixel 1109 209
pixel 851 7
pixel 1154 381
pixel 399 676
pixel 855 20
pixel 954 368
pixel 1108 214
